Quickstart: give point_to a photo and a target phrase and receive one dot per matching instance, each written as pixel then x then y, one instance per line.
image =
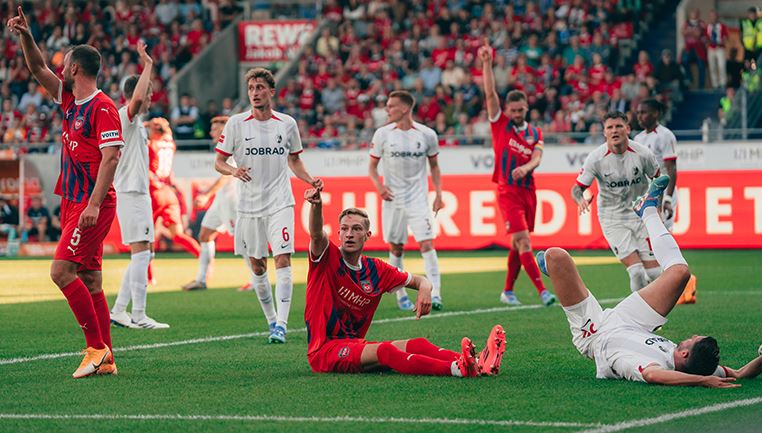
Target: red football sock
pixel 532 270
pixel 150 272
pixel 81 305
pixel 422 346
pixel 188 243
pixel 104 317
pixel 409 363
pixel 514 266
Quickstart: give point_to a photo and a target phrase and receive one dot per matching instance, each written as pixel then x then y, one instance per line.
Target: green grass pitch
pixel 244 384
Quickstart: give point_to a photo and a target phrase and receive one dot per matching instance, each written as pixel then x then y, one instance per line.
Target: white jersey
pixel 621 179
pixel 132 171
pixel 405 155
pixel 661 141
pixel 623 353
pixel 263 147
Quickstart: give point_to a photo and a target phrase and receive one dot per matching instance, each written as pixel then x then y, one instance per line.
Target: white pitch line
pixel 673 416
pixel 299 419
pixel 9 361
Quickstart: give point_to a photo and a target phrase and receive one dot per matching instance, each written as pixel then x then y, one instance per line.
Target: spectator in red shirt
pixel 694 32
pixel 716 35
pixel 643 69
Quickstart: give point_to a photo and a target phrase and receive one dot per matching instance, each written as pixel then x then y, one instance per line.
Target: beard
pixel 68 83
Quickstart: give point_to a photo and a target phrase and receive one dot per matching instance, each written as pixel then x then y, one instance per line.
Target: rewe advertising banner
pixel 271 41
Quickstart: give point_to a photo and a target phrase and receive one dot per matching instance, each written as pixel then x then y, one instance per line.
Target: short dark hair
pixel 358 212
pixel 516 96
pixel 703 358
pixel 615 115
pixel 261 73
pixel 88 58
pixel 404 96
pixel 129 86
pixel 654 105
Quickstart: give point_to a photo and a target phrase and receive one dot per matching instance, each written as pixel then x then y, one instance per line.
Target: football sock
pixel 397 263
pixel 662 243
pixel 139 284
pixel 284 287
pixel 638 276
pixel 264 292
pixel 514 266
pixel 422 346
pixel 431 266
pixel 532 270
pixel 81 304
pixel 100 305
pixel 409 363
pixel 123 298
pixel 188 243
pixel 149 272
pixel 653 273
pixel 208 250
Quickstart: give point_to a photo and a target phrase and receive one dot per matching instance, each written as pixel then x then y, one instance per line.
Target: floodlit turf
pixel 244 384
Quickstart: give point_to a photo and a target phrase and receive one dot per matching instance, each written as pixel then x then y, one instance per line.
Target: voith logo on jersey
pixel 108 135
pixel 519 147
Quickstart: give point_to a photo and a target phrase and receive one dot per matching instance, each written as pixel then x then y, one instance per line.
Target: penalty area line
pixel 297 419
pixel 203 340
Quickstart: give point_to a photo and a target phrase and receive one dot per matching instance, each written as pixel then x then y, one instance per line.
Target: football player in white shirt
pixel 133 202
pixel 622 168
pixel 661 141
pixel 621 340
pixel 264 144
pixel 406 146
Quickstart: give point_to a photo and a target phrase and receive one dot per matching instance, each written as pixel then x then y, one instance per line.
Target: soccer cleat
pixel 436 303
pixel 248 287
pixel 277 335
pixel 405 304
pixel 122 320
pixel 108 366
pixel 92 361
pixel 194 285
pixel 540 257
pixel 651 197
pixel 149 323
pixel 689 292
pixel 488 362
pixel 467 360
pixel 508 297
pixel 547 298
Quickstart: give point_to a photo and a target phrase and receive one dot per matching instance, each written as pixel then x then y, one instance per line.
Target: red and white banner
pixel 270 41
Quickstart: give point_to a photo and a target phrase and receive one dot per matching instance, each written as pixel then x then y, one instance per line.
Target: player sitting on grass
pixel 621 340
pixel 343 291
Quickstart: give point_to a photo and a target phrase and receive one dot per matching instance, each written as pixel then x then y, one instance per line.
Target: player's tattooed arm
pixel 318 237
pixel 423 299
pixel 578 194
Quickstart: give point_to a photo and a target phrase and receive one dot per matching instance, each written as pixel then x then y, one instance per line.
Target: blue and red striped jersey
pixel 513 147
pixel 88 126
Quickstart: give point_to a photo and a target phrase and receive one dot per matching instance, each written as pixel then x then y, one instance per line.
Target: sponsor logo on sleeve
pixel 108 135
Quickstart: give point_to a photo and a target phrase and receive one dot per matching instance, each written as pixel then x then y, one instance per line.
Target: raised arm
pixel 33 56
pixel 140 94
pixel 490 91
pixel 657 375
pixel 318 237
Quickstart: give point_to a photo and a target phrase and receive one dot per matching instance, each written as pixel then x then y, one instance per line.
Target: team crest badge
pixel 366 286
pixel 79 122
pixel 637 170
pixel 344 352
pixel 280 138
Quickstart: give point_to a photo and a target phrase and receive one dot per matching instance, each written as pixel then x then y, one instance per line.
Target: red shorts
pixel 83 246
pixel 339 356
pixel 166 205
pixel 518 206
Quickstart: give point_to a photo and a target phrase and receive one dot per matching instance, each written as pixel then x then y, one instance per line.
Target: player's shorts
pixel 253 234
pixel 518 206
pixel 221 215
pixel 395 221
pixel 627 238
pixel 135 217
pixel 339 356
pixel 166 206
pixel 587 320
pixel 84 247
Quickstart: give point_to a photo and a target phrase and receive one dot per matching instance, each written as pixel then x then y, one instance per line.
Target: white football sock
pixel 139 283
pixel 455 370
pixel 206 258
pixel 264 292
pixel 638 277
pixel 397 263
pixel 123 298
pixel 653 273
pixel 431 265
pixel 284 287
pixel 662 243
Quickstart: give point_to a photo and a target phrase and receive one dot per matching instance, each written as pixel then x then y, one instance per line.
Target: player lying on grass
pixel 621 340
pixel 343 291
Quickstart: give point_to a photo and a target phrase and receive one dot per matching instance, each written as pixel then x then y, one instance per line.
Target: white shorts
pixel 625 239
pixel 253 234
pixel 221 215
pixel 587 320
pixel 396 220
pixel 135 217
